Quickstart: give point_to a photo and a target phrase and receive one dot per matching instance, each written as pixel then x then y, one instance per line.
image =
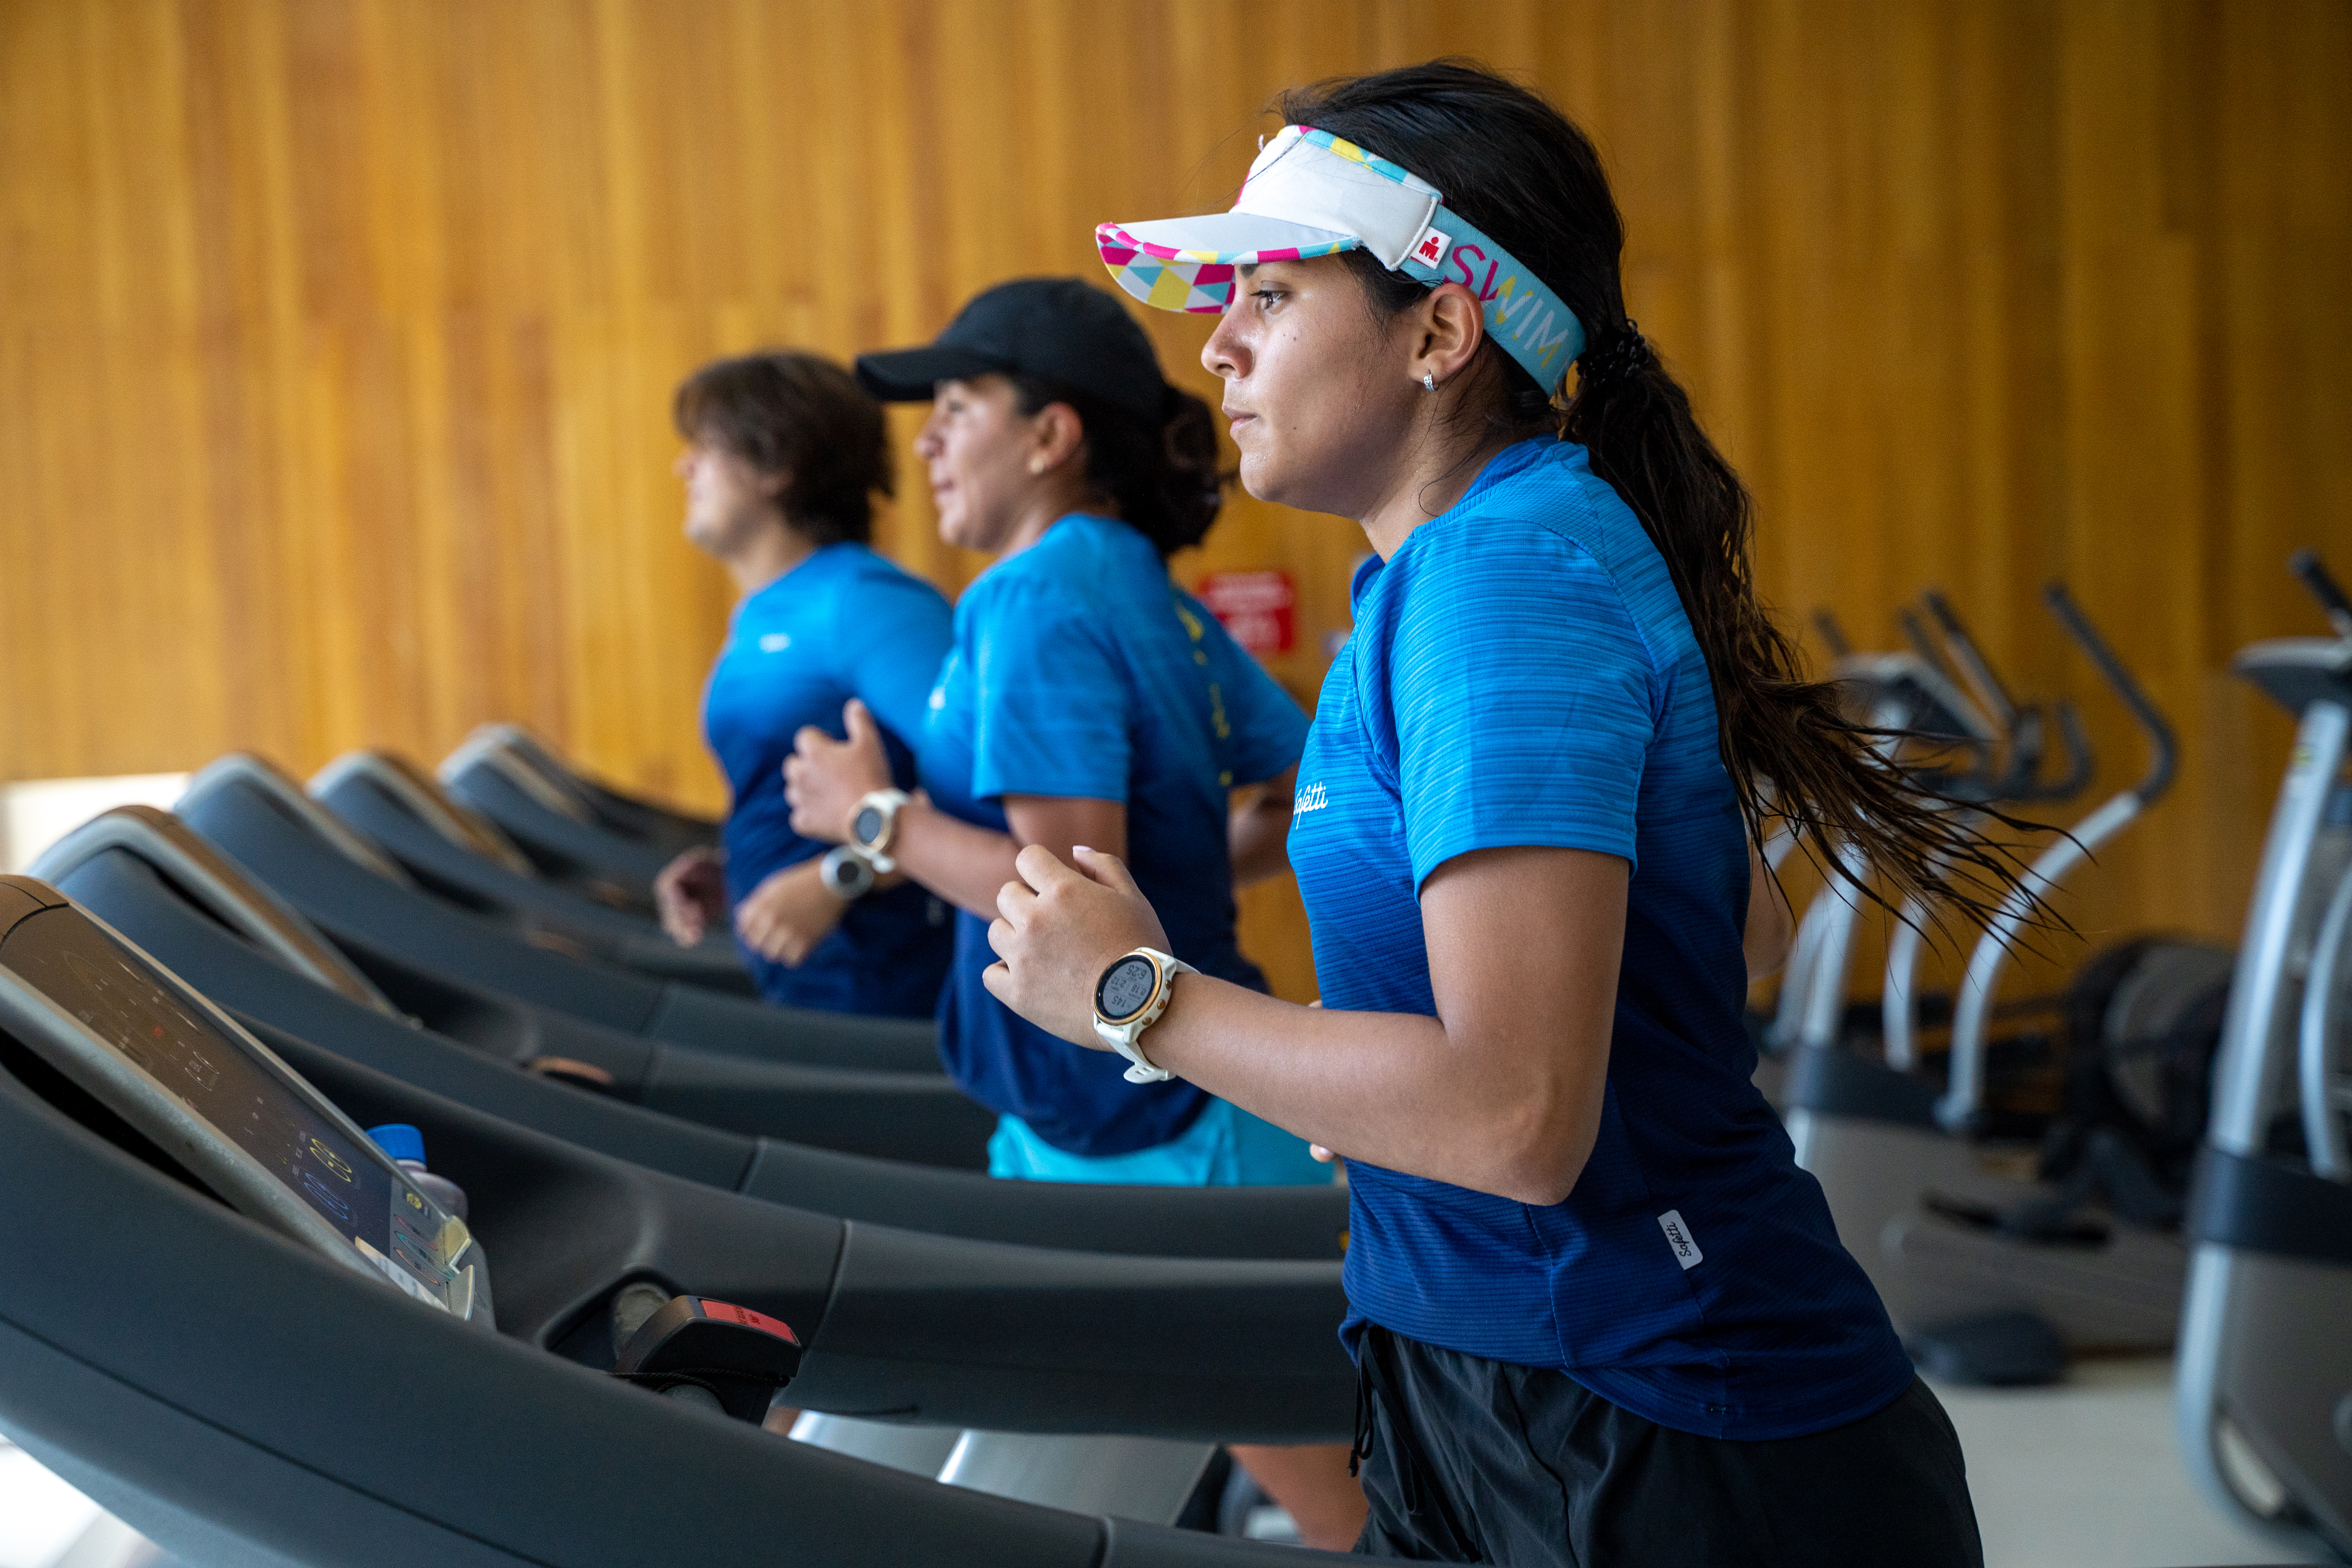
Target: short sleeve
pixel 1522 697
pixel 892 635
pixel 1264 728
pixel 1051 698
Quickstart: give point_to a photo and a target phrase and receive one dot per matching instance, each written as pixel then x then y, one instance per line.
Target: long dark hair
pixel 801 415
pixel 1511 163
pixel 1164 482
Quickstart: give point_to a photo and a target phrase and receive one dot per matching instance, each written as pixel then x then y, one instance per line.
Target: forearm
pixel 1258 836
pixel 962 862
pixel 1392 1088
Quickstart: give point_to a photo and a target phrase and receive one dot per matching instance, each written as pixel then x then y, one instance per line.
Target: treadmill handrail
pixel 282 792
pixel 221 887
pixel 425 798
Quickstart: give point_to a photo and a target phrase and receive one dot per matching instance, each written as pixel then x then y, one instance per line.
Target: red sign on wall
pixel 1256 608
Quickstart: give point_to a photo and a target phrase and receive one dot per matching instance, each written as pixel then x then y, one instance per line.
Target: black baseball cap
pixel 1058 328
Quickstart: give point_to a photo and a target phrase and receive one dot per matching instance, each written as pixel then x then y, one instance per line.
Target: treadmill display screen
pixel 214 1075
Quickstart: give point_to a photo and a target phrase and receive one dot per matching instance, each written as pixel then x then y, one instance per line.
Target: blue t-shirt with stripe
pixel 1522 673
pixel 1080 672
pixel 843 623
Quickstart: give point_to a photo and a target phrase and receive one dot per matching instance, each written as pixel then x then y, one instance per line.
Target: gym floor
pixel 2089 1475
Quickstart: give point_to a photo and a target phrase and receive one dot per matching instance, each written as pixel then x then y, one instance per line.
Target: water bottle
pixel 406 1145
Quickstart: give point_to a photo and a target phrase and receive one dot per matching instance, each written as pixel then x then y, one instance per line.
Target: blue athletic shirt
pixel 1521 672
pixel 1080 672
pixel 843 623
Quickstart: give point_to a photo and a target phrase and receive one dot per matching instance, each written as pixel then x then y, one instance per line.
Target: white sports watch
pixel 1128 999
pixel 873 827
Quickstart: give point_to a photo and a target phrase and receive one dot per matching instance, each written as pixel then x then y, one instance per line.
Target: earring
pixel 1428 381
pixel 1036 465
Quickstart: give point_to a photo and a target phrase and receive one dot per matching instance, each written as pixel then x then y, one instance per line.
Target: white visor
pixel 1311 194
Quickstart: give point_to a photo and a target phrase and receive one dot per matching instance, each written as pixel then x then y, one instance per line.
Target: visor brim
pixel 1187 263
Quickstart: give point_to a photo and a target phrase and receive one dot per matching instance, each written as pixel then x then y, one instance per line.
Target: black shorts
pixel 1474 1460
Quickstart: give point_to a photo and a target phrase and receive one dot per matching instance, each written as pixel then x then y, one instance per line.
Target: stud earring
pixel 1036 465
pixel 1428 381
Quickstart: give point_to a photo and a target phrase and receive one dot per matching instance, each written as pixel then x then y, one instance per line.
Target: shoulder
pixel 1072 574
pixel 1543 550
pixel 868 572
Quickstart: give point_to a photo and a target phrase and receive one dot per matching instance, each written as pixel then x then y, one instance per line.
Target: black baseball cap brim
pixel 1059 330
pixel 908 375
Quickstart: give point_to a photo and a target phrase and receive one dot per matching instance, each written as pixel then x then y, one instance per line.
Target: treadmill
pixel 632 816
pixel 152 880
pixel 235 1323
pixel 553 814
pixel 174 894
pixel 458 853
pixel 372 908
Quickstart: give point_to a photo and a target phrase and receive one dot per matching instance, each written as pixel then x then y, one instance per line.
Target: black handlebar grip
pixel 1833 635
pixel 2151 719
pixel 2305 564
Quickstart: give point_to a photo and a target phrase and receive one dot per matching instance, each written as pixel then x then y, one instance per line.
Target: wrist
pixel 874 826
pixel 1131 994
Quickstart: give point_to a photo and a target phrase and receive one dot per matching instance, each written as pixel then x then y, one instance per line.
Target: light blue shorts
pixel 1225 1147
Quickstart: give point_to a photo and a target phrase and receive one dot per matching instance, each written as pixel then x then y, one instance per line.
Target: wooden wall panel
pixel 336 336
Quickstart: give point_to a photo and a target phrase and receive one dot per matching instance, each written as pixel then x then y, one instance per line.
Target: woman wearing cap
pixel 1087 700
pixel 783 455
pixel 1601 1315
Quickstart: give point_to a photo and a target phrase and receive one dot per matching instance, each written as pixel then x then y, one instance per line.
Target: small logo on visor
pixel 1431 248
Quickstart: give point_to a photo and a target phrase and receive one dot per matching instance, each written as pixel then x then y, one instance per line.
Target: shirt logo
pixel 775 642
pixel 1310 797
pixel 1678 1236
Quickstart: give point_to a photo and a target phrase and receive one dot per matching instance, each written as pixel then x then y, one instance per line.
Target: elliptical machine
pixel 1995 749
pixel 1912 693
pixel 1992 1273
pixel 2263 1394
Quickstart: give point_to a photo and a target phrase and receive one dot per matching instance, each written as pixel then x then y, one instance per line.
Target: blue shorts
pixel 1225 1147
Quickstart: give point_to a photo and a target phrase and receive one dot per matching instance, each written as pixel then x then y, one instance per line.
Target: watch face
pixel 866 826
pixel 1125 988
pixel 848 875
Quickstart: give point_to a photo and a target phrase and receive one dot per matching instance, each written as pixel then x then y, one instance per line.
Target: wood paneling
pixel 336 336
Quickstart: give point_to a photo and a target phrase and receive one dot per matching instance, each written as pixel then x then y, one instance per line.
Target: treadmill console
pixel 220 1103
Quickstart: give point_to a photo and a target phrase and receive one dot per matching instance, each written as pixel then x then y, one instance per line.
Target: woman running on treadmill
pixel 1087 700
pixel 1600 1314
pixel 783 456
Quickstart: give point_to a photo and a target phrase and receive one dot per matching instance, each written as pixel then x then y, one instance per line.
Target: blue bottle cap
pixel 400 1141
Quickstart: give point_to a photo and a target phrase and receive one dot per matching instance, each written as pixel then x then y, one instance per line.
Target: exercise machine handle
pixel 2080 760
pixel 1833 635
pixel 1931 652
pixel 2160 739
pixel 1990 689
pixel 2306 564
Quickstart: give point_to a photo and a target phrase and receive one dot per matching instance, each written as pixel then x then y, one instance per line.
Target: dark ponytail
pixel 1514 166
pixel 1163 482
